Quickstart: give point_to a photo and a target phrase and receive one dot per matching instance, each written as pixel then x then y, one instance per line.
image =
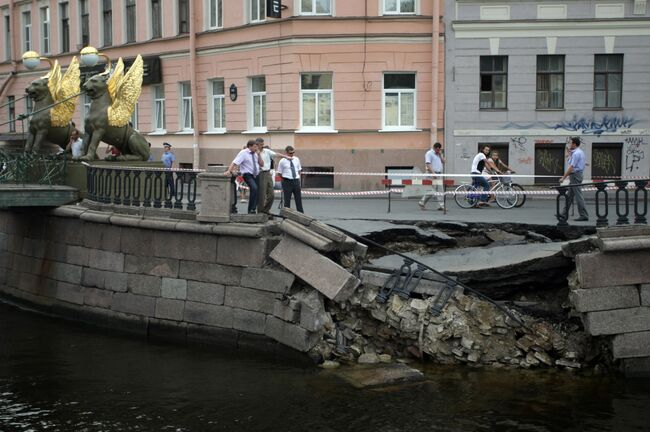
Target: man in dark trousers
pixel 248 163
pixel 290 170
pixel 574 172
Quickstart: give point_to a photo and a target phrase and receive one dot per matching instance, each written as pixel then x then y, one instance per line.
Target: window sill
pixel 549 109
pixel 255 131
pixel 316 131
pixel 215 132
pixel 399 130
pixel 609 109
pixel 185 132
pixel 493 109
pixel 158 132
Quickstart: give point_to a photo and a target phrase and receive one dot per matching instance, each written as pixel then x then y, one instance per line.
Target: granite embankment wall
pixel 611 292
pixel 180 279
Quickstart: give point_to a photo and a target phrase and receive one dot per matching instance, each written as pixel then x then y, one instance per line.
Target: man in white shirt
pixel 265 178
pixel 478 165
pixel 433 164
pixel 75 145
pixel 290 170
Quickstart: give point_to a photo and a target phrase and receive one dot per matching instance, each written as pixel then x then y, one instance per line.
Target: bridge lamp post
pixel 90 57
pixel 31 60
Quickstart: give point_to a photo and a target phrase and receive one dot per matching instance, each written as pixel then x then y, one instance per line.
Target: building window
pixel 183 16
pixel 133 121
pixel 215 14
pixel 159 108
pixel 608 80
pixel 7 37
pixel 316 100
pixel 316 7
pixel 12 113
pixel 258 103
pixel 85 23
pixel 65 27
pixel 217 105
pixel 45 29
pixel 399 7
pixel 27 32
pixel 494 82
pixel 550 82
pixel 156 19
pixel 86 110
pixel 399 100
pixel 29 105
pixel 130 20
pixel 107 22
pixel 258 10
pixel 186 107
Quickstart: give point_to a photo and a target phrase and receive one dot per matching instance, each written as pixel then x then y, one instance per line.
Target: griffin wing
pixel 54 78
pixel 115 78
pixel 66 87
pixel 127 91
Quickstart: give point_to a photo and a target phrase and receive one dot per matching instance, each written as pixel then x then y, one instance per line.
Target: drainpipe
pixel 14 68
pixel 435 60
pixel 195 110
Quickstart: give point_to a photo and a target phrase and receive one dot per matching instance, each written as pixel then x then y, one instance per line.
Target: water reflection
pixel 57 376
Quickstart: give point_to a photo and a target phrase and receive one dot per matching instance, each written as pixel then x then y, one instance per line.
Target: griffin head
pixel 38 89
pixel 96 85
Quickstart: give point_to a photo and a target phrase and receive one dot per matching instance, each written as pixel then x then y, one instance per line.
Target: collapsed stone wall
pixel 610 291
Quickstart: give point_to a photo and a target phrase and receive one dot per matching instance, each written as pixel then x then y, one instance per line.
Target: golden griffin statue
pixel 53 124
pixel 113 101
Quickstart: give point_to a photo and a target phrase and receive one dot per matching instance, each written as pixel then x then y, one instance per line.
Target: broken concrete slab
pixel 607 298
pixel 327 231
pixel 369 376
pixel 306 235
pixel 583 245
pixel 320 272
pixel 364 229
pixel 504 237
pixel 623 231
pixel 296 216
pixel 623 244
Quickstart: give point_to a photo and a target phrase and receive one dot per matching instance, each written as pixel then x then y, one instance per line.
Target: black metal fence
pixel 627 195
pixel 32 168
pixel 143 187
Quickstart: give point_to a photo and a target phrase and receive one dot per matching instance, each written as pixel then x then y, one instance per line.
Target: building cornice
pixel 545 28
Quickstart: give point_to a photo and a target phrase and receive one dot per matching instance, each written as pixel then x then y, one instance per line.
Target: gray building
pixel 525 76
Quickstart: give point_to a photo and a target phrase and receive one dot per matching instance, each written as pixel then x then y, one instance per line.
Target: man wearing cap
pixel 168 158
pixel 248 163
pixel 289 168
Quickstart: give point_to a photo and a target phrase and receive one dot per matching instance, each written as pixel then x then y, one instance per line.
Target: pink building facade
pixel 354 86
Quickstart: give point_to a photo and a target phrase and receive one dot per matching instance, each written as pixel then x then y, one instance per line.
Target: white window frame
pixel 209 5
pixel 27 30
pixel 158 100
pixel 382 8
pixel 125 20
pixel 317 92
pixel 260 17
pixel 63 4
pixel 414 92
pixel 185 102
pixel 213 100
pixel 257 99
pixel 6 30
pixel 45 16
pixel 81 19
pixel 313 12
pixel 134 117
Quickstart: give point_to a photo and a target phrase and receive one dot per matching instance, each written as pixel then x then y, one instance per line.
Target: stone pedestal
pixel 215 196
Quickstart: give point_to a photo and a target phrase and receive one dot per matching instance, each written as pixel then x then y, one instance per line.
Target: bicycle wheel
pixel 521 197
pixel 466 196
pixel 506 197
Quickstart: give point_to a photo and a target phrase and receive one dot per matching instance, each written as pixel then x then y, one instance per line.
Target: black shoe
pixel 581 219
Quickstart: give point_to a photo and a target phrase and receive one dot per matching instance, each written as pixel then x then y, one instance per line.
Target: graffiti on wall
pixel 525 161
pixel 634 153
pixel 548 162
pixel 519 143
pixel 604 162
pixel 591 126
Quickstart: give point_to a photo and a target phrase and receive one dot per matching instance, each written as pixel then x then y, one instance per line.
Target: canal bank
pixel 267 284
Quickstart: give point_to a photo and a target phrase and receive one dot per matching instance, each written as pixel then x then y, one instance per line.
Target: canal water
pixel 59 376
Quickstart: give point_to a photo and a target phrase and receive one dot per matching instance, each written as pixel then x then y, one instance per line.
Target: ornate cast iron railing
pixel 627 194
pixel 143 187
pixel 32 168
